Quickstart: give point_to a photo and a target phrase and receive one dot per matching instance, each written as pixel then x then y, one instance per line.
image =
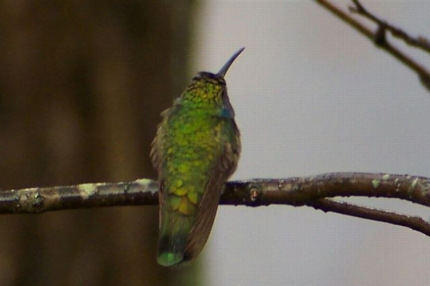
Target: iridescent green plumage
pixel 195 151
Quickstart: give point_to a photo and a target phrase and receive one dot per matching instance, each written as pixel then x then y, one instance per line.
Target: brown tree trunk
pixel 82 84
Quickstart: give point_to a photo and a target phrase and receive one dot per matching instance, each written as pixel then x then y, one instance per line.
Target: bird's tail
pixel 173 238
pixel 171 249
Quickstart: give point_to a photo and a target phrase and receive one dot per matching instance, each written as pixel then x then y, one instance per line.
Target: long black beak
pixel 227 65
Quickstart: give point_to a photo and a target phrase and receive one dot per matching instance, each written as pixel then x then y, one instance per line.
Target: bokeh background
pixel 81 87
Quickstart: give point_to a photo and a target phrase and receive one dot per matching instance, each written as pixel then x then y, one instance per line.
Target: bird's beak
pixel 227 65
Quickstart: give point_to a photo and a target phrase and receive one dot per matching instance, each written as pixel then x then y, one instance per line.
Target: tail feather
pixel 171 249
pixel 173 238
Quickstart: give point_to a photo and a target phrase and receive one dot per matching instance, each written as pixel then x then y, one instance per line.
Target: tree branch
pixel 380 39
pixel 311 191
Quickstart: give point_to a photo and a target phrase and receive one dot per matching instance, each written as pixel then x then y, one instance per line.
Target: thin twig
pixel 420 42
pixel 422 73
pixel 414 223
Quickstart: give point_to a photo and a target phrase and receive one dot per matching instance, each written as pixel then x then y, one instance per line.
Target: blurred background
pixel 82 84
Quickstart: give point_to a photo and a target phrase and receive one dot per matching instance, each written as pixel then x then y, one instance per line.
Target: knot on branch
pixel 380 38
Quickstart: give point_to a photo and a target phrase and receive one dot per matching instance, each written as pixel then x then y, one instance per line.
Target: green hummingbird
pixel 195 151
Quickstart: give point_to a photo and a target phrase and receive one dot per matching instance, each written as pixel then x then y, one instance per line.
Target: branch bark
pixel 314 191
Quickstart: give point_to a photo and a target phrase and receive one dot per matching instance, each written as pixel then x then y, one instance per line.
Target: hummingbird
pixel 195 151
